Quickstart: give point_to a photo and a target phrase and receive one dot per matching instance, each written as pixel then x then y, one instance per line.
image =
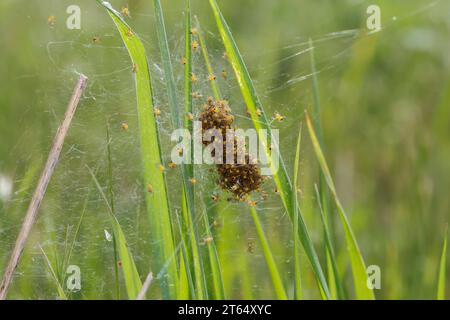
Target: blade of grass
pixel 442 269
pixel 68 256
pixel 235 265
pixel 316 96
pixel 214 86
pixel 167 64
pixel 189 236
pixel 59 287
pixel 148 281
pixel 188 169
pixel 116 266
pixel 336 288
pixel 219 292
pixel 111 199
pixel 183 290
pixel 297 275
pixel 273 270
pixel 188 290
pixel 157 201
pixel 210 208
pixel 187 68
pixel 356 259
pixel 77 229
pixel 330 250
pixel 190 233
pixel 261 122
pixel 133 282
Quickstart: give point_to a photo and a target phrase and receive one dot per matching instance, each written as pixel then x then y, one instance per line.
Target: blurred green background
pixel 385 116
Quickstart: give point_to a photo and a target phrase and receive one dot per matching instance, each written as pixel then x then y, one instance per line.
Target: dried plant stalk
pixel 39 193
pixel 145 286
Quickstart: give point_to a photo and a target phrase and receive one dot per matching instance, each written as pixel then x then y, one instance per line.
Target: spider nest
pixel 240 178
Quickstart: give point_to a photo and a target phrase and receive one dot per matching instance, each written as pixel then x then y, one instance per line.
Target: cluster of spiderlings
pixel 238 178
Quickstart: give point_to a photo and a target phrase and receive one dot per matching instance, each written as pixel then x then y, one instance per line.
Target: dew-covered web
pixel 73 217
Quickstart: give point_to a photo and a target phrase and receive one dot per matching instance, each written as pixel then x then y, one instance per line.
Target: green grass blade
pixel 218 285
pixel 331 256
pixel 133 282
pixel 190 230
pixel 281 177
pixel 316 96
pixel 157 201
pixel 201 39
pixel 167 64
pixel 356 259
pixel 273 270
pixel 190 237
pixel 183 289
pixel 324 196
pixel 111 201
pixel 116 267
pixel 77 229
pixel 62 295
pixel 187 67
pixel 297 272
pixel 442 269
pixel 186 288
pixel 219 292
pixel 188 169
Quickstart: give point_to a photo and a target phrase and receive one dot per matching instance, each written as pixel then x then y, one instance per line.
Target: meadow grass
pixel 156 191
pixel 192 255
pixel 187 272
